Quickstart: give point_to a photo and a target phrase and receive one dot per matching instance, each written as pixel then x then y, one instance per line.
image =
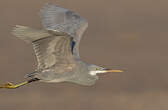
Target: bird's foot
pixel 8 86
pixel 12 86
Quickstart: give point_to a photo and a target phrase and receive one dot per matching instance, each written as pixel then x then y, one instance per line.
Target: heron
pixel 56 47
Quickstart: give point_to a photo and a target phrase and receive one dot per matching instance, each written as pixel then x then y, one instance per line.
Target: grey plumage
pixel 62 20
pixel 57 47
pixel 57 61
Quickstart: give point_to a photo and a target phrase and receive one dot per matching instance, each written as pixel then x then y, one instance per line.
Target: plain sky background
pixel 127 34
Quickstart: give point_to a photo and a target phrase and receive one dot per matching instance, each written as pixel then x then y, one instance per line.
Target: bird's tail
pixel 31 75
pixel 29 34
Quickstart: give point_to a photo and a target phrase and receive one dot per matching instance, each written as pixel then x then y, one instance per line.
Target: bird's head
pixel 94 69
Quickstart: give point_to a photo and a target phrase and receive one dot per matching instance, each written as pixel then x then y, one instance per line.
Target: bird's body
pixel 78 74
pixel 57 48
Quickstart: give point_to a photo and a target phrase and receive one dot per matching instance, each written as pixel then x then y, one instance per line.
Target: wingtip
pixel 17 28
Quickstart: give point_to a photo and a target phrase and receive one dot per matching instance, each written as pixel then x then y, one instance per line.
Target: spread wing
pixel 64 21
pixel 51 50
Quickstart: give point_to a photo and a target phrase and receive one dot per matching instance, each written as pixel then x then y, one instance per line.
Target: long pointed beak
pixel 116 71
pixel 104 71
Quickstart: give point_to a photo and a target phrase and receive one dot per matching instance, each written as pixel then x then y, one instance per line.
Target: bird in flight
pixel 57 49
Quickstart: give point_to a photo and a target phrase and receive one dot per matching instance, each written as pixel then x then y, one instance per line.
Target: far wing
pixel 64 21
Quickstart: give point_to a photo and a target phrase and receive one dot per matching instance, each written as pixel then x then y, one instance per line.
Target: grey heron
pixel 57 49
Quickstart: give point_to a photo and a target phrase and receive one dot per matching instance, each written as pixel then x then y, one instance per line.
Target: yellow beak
pixel 116 71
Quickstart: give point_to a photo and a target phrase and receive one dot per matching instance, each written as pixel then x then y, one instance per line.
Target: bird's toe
pixel 8 86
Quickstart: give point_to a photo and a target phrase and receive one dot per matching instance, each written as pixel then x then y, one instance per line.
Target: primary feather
pixel 63 20
pixel 57 46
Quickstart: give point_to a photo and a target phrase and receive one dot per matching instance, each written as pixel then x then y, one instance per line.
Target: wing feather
pixel 28 34
pixel 53 51
pixel 50 50
pixel 62 20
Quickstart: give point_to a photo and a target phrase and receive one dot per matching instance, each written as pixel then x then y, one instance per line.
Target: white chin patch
pixel 96 72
